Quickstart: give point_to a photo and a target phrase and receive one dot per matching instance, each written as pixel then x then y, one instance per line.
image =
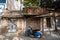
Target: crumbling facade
pixel 16 20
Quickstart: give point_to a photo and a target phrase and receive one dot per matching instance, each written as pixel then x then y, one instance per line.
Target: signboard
pixel 2 1
pixel 1 7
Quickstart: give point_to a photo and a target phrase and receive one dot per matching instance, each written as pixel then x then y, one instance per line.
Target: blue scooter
pixel 35 33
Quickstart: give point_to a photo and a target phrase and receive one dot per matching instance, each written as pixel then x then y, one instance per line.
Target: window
pixel 48 20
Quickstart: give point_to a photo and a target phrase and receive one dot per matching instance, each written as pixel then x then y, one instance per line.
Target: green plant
pixel 32 2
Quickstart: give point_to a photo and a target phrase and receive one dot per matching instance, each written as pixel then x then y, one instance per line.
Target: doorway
pixel 48 22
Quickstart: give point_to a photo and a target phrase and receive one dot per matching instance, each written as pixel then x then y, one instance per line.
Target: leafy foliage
pixel 44 3
pixel 51 4
pixel 31 2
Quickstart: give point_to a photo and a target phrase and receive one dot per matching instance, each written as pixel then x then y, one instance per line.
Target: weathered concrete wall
pixel 10 24
pixel 34 10
pixel 3 25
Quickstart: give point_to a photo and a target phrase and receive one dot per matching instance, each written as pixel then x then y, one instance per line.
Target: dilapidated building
pixel 36 17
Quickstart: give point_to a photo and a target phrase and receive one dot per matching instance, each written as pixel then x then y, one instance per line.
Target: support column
pixel 52 23
pixel 24 25
pixel 19 25
pixel 44 23
pixel 54 17
pixel 41 24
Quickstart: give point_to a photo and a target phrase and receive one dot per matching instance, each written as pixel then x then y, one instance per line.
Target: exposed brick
pixel 34 23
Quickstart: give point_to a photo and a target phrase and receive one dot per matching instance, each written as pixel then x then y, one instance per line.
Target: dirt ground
pixel 46 36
